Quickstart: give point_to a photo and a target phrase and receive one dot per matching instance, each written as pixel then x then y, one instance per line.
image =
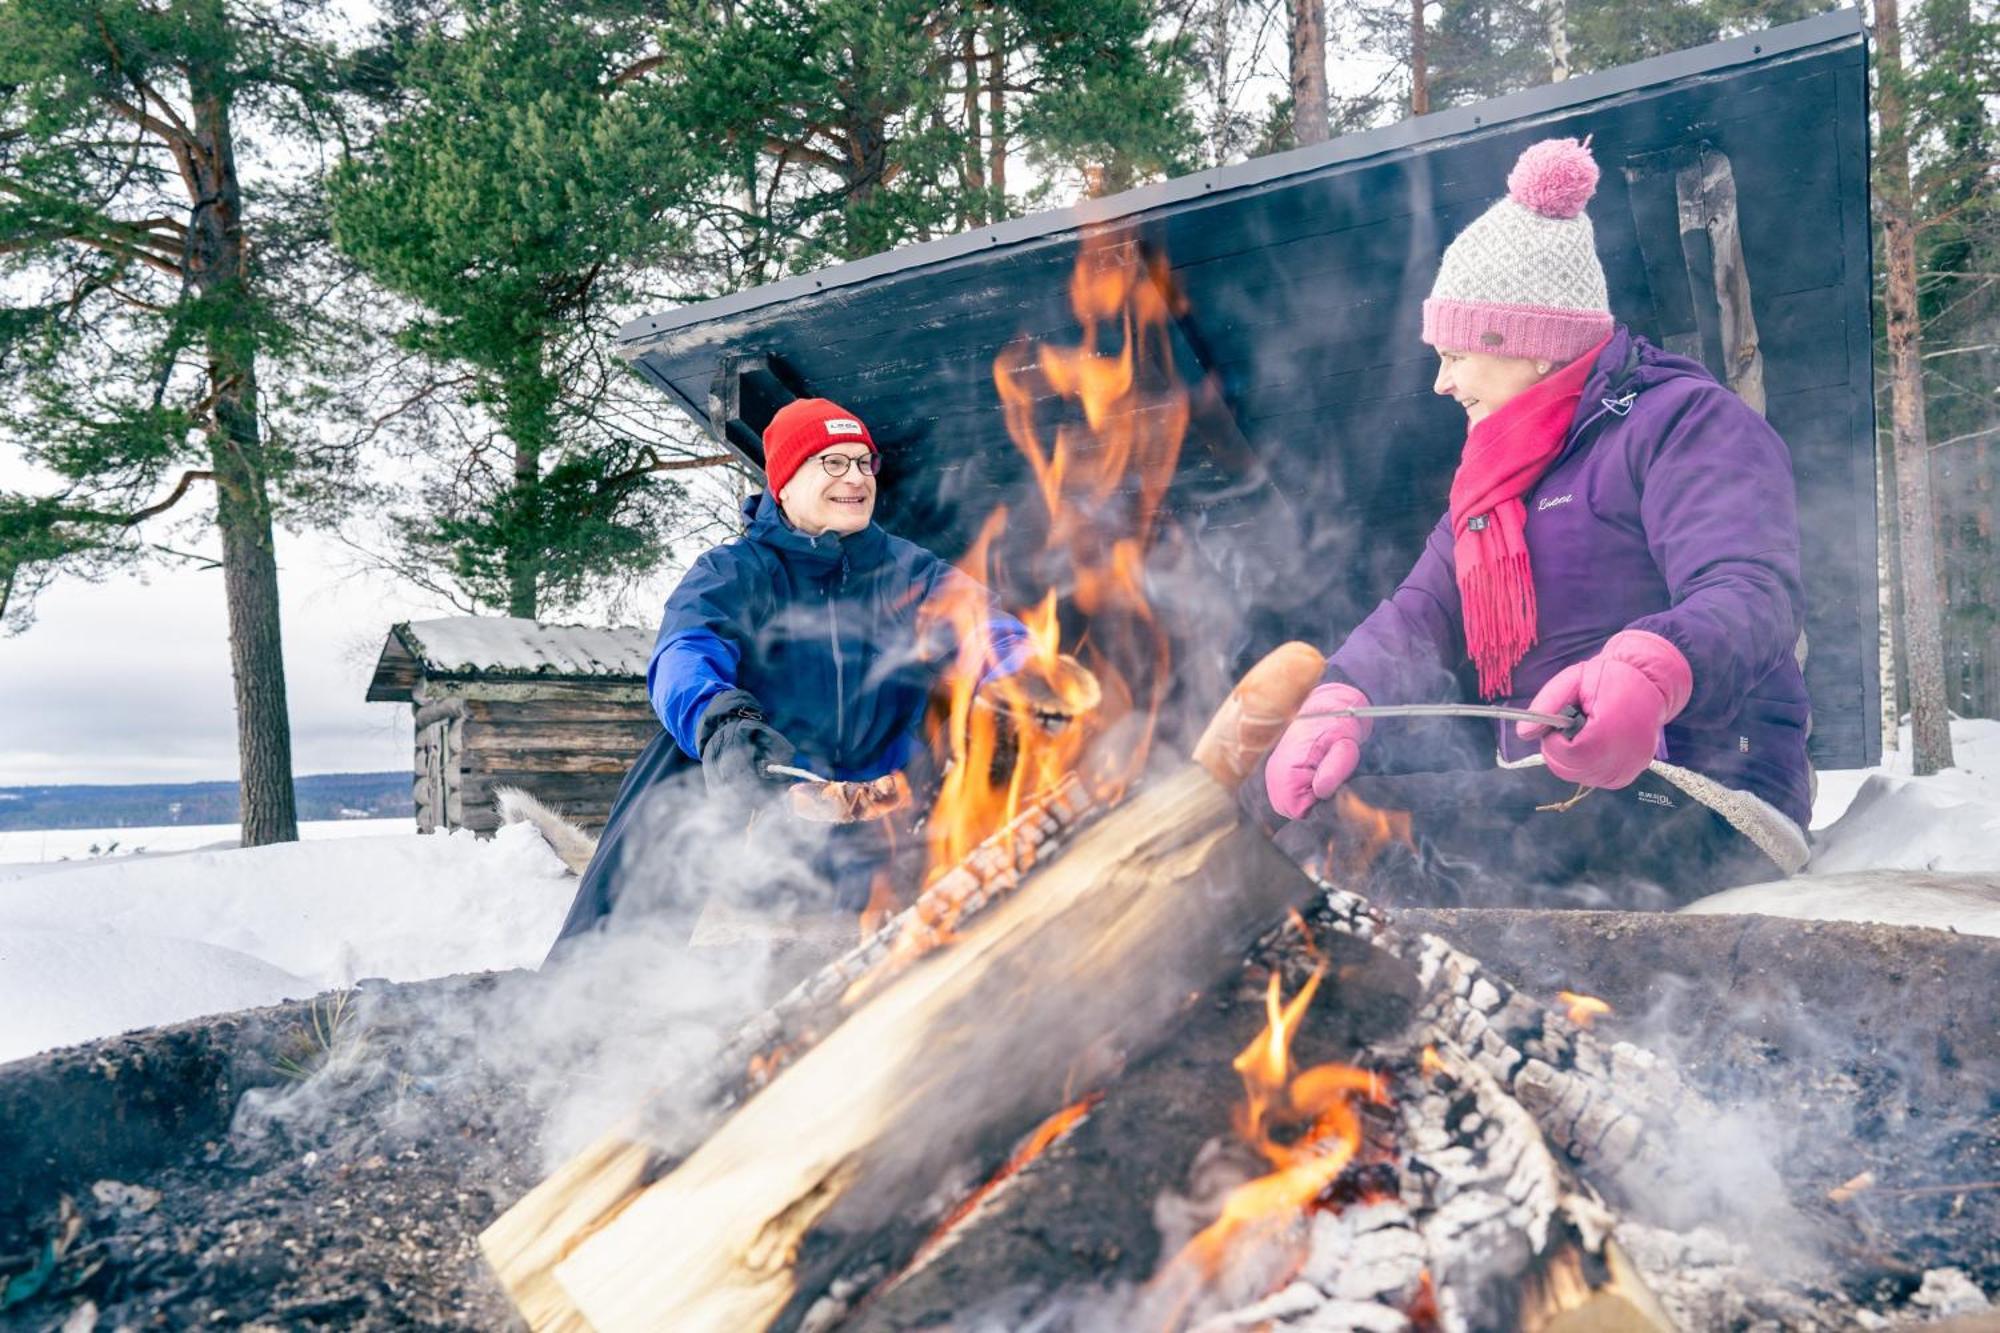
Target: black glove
pixel 736 744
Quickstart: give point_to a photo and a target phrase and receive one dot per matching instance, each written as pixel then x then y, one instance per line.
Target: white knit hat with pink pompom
pixel 1524 279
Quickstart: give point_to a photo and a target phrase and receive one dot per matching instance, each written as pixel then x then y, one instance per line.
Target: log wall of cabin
pixel 567 743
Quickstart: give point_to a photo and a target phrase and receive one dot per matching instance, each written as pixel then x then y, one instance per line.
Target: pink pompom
pixel 1555 178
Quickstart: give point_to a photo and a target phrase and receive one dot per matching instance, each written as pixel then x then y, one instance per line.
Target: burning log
pixel 1151 902
pixel 1614 1109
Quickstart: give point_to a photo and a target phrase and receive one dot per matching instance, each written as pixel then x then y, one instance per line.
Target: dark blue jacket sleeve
pixel 701 641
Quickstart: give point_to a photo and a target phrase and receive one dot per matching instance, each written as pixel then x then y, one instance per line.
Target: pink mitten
pixel 1316 754
pixel 1637 683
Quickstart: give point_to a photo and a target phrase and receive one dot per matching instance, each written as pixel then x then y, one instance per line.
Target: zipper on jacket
pixel 833 638
pixel 1612 402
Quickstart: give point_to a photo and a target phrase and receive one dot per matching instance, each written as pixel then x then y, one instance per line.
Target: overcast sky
pixel 128 680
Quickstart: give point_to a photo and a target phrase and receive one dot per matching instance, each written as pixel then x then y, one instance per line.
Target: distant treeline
pixel 151 804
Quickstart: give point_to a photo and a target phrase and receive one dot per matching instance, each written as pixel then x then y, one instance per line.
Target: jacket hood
pixel 764 523
pixel 1630 364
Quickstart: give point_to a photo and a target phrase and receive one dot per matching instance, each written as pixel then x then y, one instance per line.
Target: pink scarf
pixel 1506 454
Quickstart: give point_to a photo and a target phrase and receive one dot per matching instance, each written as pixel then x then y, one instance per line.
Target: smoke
pixel 542 1063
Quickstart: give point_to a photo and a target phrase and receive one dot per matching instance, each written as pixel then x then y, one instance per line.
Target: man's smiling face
pixel 816 501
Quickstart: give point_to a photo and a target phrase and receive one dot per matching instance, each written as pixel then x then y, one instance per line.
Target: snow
pixel 92 948
pixel 1897 849
pixel 89 948
pixel 78 844
pixel 59 987
pixel 464 644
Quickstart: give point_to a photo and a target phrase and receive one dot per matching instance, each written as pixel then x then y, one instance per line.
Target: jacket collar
pixel 764 523
pixel 1625 369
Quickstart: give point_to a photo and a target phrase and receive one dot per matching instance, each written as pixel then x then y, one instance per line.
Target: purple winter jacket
pixel 1672 509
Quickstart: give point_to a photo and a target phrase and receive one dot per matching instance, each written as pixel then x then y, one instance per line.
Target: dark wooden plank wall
pixel 569 749
pixel 1305 295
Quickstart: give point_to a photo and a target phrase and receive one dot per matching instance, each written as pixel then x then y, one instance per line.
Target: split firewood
pixel 836 1164
pixel 544 1224
pixel 1499 1201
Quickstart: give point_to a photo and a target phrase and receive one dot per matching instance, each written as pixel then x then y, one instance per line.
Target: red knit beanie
pixel 805 427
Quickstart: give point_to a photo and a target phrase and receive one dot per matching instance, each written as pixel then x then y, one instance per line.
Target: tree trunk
pixel 975 167
pixel 1420 72
pixel 528 396
pixel 996 112
pixel 1888 641
pixel 522 602
pixel 216 269
pixel 1309 116
pixel 1923 627
pixel 1558 40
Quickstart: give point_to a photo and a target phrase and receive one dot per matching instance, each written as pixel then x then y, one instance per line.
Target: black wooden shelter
pixel 1732 220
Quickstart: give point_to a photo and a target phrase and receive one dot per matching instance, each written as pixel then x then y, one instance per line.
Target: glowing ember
pixel 1433 1063
pixel 1040 1141
pixel 1583 1010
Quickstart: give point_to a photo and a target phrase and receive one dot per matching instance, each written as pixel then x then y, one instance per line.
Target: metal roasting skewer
pixel 802 774
pixel 1567 722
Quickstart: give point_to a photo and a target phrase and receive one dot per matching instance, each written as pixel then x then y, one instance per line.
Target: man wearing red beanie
pixel 837 496
pixel 797 644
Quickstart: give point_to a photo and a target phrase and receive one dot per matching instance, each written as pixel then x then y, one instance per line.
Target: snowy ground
pixel 91 947
pixel 1941 834
pixel 83 844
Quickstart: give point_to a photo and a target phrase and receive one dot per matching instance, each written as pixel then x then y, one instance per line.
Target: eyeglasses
pixel 836 465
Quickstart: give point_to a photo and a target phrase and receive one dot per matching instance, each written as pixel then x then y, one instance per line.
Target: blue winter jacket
pixel 823 631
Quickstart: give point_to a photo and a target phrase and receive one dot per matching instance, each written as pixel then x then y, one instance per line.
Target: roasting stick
pixel 1567 723
pixel 830 1167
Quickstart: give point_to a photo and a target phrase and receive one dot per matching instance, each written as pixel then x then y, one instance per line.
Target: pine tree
pixel 525 176
pixel 1923 617
pixel 1954 63
pixel 1308 29
pixel 867 124
pixel 148 299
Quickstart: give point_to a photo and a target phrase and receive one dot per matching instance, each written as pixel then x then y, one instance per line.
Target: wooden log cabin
pixel 559 710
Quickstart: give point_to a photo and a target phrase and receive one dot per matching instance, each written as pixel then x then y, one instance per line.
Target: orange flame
pixel 1101 474
pixel 1044 1136
pixel 881 906
pixel 1363 833
pixel 1583 1010
pixel 1321 1100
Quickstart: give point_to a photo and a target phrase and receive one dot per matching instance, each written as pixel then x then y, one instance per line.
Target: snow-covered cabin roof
pixel 505 648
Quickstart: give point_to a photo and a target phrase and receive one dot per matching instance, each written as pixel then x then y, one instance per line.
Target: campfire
pixel 1471 1165
pixel 1115 1062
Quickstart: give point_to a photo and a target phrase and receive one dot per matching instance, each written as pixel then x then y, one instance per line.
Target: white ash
pixel 1948 1291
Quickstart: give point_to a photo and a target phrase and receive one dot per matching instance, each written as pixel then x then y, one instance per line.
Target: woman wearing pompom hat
pixel 795 645
pixel 1622 539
